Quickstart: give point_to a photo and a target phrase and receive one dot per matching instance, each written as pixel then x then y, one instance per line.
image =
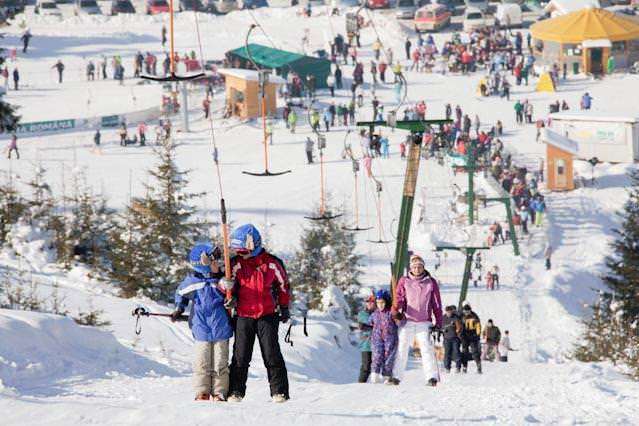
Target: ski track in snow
pixel 539 384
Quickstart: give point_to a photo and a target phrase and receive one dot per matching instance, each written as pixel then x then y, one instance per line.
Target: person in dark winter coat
pixel 491 336
pixel 383 338
pixel 261 295
pixel 452 330
pixel 365 338
pixel 407 46
pixel 59 66
pixel 26 37
pixel 208 320
pixel 16 78
pixel 470 338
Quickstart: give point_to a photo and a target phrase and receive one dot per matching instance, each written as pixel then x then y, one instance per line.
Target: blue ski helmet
pixel 247 237
pixel 195 257
pixel 383 294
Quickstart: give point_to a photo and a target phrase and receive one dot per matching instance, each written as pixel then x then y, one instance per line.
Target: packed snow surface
pixel 55 372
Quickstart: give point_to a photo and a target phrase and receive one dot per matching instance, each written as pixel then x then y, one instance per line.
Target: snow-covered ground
pixel 55 372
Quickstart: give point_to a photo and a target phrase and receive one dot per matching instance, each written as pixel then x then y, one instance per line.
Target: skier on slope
pixel 452 329
pixel 365 338
pixel 208 320
pixel 470 337
pixel 491 336
pixel 261 294
pixel 417 301
pixel 383 338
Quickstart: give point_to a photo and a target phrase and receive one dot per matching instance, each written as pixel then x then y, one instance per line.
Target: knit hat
pixel 415 259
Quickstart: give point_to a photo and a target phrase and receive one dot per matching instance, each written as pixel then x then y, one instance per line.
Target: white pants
pixel 211 367
pixel 421 332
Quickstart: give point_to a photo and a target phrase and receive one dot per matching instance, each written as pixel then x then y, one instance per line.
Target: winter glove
pixel 398 316
pixel 230 303
pixel 176 314
pixel 227 284
pixel 285 315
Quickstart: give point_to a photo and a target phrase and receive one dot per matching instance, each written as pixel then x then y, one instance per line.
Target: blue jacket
pixel 208 319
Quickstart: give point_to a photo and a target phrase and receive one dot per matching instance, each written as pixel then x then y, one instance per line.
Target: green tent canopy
pixel 283 62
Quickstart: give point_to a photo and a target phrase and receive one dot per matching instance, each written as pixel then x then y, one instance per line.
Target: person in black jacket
pixel 452 330
pixel 471 333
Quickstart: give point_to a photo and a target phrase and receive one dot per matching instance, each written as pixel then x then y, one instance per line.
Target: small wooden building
pixel 243 96
pixel 560 152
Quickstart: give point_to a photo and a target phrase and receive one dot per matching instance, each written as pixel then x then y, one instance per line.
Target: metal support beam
pixel 469 252
pixel 511 225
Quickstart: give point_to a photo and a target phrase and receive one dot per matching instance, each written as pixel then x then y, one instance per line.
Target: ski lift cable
pixel 223 213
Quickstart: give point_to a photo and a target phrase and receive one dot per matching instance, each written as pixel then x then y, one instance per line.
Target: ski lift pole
pixel 227 250
pixel 263 106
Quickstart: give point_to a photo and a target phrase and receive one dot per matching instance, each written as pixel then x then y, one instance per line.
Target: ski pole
pixel 141 311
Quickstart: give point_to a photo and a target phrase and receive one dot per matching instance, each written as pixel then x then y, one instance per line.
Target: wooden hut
pixel 243 95
pixel 560 152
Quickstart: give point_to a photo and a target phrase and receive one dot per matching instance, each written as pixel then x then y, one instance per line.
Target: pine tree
pixel 623 265
pixel 612 332
pixel 326 257
pixel 150 245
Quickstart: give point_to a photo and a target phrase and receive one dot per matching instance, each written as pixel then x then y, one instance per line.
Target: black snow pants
pixel 451 353
pixel 365 369
pixel 471 347
pixel 265 329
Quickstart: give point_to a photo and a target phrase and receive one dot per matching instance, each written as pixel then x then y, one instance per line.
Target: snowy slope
pixel 149 380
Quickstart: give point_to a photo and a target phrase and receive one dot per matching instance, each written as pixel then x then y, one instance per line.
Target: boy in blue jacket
pixel 209 322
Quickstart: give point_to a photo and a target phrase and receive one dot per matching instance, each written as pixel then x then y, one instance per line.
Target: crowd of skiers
pixel 387 331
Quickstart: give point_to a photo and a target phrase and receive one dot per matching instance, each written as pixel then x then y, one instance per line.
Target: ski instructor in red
pixel 261 297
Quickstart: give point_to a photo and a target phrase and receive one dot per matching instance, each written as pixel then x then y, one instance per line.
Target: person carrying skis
pixel 452 329
pixel 417 301
pixel 208 320
pixel 365 338
pixel 261 297
pixel 59 66
pixel 13 146
pixel 470 338
pixel 383 338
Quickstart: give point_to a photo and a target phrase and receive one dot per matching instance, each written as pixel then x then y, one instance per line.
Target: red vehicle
pixel 378 4
pixel 153 7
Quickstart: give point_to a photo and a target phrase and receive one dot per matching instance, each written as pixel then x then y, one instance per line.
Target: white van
pixel 475 20
pixel 508 15
pixel 47 8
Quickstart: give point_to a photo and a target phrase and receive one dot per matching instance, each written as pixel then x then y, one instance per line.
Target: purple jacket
pixel 419 299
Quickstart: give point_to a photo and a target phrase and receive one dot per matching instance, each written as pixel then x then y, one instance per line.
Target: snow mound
pixel 42 354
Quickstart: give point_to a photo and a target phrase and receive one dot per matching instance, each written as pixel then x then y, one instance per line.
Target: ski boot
pixel 479 369
pixel 465 370
pixel 458 370
pixel 235 397
pixel 202 397
pixel 279 397
pixel 218 398
pixel 388 381
pixel 432 382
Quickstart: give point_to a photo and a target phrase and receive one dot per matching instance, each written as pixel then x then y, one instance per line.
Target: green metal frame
pixel 417 128
pixel 470 253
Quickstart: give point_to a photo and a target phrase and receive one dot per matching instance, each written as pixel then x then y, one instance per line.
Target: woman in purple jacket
pixel 417 300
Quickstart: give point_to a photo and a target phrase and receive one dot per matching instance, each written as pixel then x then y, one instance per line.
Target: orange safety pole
pixel 264 137
pixel 379 213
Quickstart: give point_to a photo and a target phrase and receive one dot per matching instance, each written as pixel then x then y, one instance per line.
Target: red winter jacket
pixel 260 285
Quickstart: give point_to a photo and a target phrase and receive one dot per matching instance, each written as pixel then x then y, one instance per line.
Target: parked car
pixel 479 4
pixel 153 7
pixel 405 9
pixel 223 6
pixel 190 5
pixel 508 15
pixel 10 8
pixel 475 19
pixel 378 4
pixel 432 17
pixel 47 8
pixel 86 7
pixel 253 4
pixel 121 6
